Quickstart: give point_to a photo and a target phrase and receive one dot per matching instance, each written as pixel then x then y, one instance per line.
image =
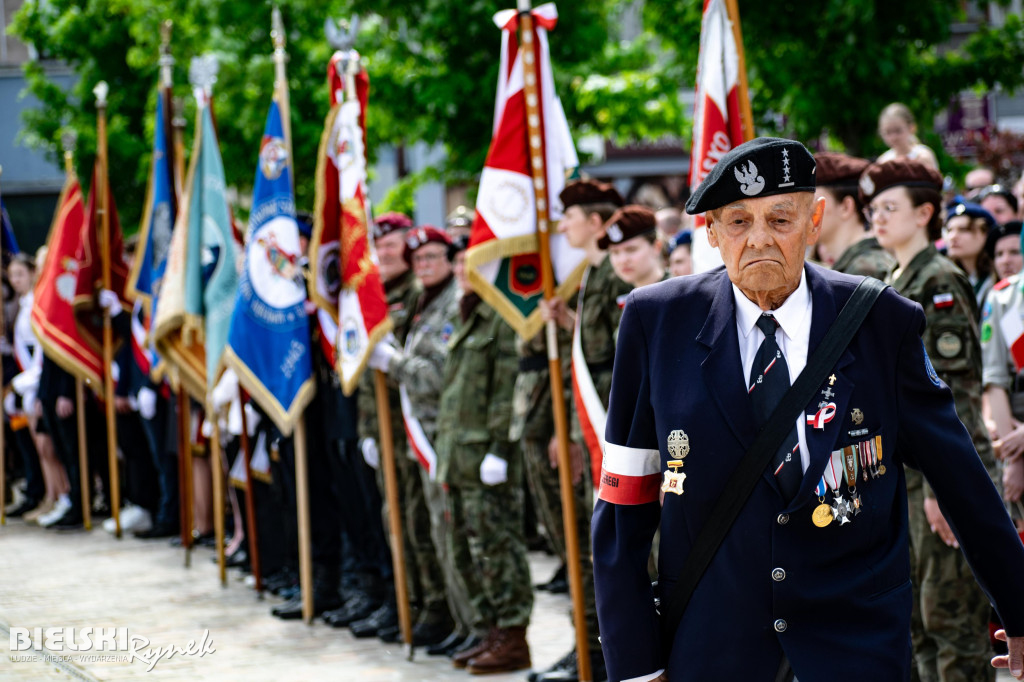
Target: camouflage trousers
pixel 423 570
pixel 486 543
pixel 949 624
pixel 459 605
pixel 547 496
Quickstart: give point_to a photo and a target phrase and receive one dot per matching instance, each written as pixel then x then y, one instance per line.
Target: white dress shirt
pixel 793 337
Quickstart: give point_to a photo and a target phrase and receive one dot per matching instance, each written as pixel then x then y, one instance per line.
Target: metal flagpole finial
pixel 202 74
pixel 277 28
pixel 166 60
pixel 100 91
pixel 341 34
pixel 524 5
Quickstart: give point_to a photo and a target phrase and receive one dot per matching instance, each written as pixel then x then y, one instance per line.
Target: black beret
pixel 626 223
pixel 590 192
pixel 999 191
pixel 970 209
pixel 1010 228
pixel 836 169
pixel 760 168
pixel 879 177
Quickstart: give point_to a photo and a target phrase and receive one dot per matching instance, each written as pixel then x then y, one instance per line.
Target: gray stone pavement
pixel 79 579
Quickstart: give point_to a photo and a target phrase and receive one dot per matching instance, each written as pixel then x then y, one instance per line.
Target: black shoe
pixel 26 506
pixel 159 530
pixel 280 579
pixel 559 583
pixel 470 642
pixel 292 609
pixel 205 540
pixel 431 631
pixel 72 520
pixel 567 669
pixel 384 617
pixel 358 607
pixel 237 559
pixel 390 635
pixel 447 645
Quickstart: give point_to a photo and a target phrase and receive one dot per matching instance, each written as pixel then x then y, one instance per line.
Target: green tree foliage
pixel 814 65
pixel 832 65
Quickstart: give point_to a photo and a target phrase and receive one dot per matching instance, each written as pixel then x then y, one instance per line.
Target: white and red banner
pixel 589 408
pixel 503 260
pixel 717 126
pixel 417 437
pixel 1013 333
pixel 347 282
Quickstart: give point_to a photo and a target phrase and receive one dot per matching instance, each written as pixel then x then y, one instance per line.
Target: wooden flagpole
pixel 83 454
pixel 538 168
pixel 387 461
pixel 299 440
pixel 217 468
pixel 102 194
pixel 250 501
pixel 743 89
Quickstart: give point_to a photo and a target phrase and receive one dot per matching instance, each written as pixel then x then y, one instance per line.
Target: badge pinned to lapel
pixel 823 416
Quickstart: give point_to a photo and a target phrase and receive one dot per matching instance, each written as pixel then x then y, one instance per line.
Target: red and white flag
pixel 503 260
pixel 1013 334
pixel 717 125
pixel 347 282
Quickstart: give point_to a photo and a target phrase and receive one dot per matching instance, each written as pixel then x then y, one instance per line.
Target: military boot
pixel 462 657
pixel 508 652
pixel 325 595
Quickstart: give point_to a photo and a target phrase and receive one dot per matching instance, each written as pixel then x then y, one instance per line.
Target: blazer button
pixel 780 625
pixel 778 575
pixel 783 519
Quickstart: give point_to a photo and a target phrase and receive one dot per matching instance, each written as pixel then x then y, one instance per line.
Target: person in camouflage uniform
pixel 587 205
pixel 402 290
pixel 949 627
pixel 417 368
pixel 482 470
pixel 844 237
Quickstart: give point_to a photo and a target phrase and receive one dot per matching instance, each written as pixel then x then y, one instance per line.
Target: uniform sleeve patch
pixel 986 311
pixel 932 374
pixel 944 300
pixel 949 345
pixel 986 332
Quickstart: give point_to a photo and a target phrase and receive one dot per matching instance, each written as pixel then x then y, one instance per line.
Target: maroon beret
pixel 626 223
pixel 590 192
pixel 835 169
pixel 390 222
pixel 879 177
pixel 421 236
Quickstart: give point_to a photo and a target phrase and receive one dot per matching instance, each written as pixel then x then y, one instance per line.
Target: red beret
pixel 626 223
pixel 835 169
pixel 390 222
pixel 879 177
pixel 421 236
pixel 590 192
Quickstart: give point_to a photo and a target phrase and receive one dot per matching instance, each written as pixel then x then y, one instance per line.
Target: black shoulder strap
pixel 768 441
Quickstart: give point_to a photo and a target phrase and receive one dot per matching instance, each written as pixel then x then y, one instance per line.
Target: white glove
pixel 110 302
pixel 493 470
pixel 225 391
pixel 147 403
pixel 381 356
pixel 28 402
pixel 370 454
pixel 9 407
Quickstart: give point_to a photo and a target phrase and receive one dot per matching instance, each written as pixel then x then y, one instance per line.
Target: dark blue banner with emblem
pixel 269 339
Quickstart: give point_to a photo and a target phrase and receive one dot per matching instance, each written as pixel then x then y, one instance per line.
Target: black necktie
pixel 769 381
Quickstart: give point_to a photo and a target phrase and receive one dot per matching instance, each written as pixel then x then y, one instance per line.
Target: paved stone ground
pixel 90 579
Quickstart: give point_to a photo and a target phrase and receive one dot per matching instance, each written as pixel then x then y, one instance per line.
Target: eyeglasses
pixel 424 258
pixel 888 208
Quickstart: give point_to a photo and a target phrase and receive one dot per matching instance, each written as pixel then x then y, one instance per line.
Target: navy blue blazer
pixel 836 600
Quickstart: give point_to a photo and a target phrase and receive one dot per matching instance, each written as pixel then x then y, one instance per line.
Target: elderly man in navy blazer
pixel 813 578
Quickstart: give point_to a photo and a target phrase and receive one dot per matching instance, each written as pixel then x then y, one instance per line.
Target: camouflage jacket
pixel 866 257
pixel 420 365
pixel 950 339
pixel 532 417
pixel 476 402
pixel 402 293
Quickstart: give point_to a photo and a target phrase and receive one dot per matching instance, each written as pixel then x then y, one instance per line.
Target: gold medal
pixel 822 515
pixel 881 470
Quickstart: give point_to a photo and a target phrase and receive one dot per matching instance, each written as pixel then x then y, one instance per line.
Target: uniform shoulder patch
pixel 949 344
pixel 932 374
pixel 1002 284
pixel 446 331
